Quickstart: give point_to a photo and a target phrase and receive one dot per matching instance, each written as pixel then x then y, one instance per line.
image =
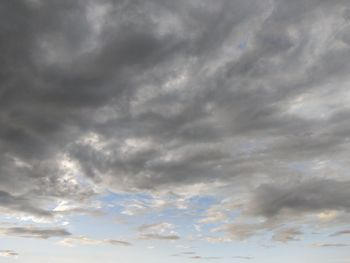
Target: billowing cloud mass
pixel 163 104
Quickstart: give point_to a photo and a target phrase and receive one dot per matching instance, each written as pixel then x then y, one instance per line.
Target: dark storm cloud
pixel 311 195
pixel 163 95
pixel 21 205
pixel 54 76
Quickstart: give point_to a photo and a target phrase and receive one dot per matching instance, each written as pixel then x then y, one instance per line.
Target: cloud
pixel 34 232
pixel 214 215
pixel 155 203
pixel 8 253
pixel 188 253
pixel 340 233
pixel 286 235
pixel 238 231
pixel 301 197
pixel 158 236
pixel 242 257
pixel 205 258
pixel 330 245
pixel 21 205
pixel 160 231
pixel 185 253
pixel 156 227
pixel 161 97
pixel 81 240
pixel 214 240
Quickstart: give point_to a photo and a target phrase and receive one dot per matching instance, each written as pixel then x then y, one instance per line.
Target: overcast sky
pixel 152 131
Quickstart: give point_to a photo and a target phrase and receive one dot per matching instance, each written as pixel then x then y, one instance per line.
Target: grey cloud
pixel 118 242
pixel 281 208
pixel 241 231
pixel 205 258
pixel 310 195
pixel 286 235
pixel 159 237
pixel 340 233
pixel 188 253
pixel 157 95
pixel 34 232
pixel 331 245
pixel 346 14
pixel 147 227
pixel 21 205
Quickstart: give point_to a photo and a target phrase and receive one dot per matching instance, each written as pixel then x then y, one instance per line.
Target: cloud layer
pixel 247 101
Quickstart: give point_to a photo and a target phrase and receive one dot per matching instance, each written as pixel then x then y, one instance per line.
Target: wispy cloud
pixel 330 245
pixel 342 232
pixel 8 253
pixel 81 240
pixel 159 237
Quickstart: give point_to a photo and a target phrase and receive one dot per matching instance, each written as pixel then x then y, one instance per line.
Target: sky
pixel 152 131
